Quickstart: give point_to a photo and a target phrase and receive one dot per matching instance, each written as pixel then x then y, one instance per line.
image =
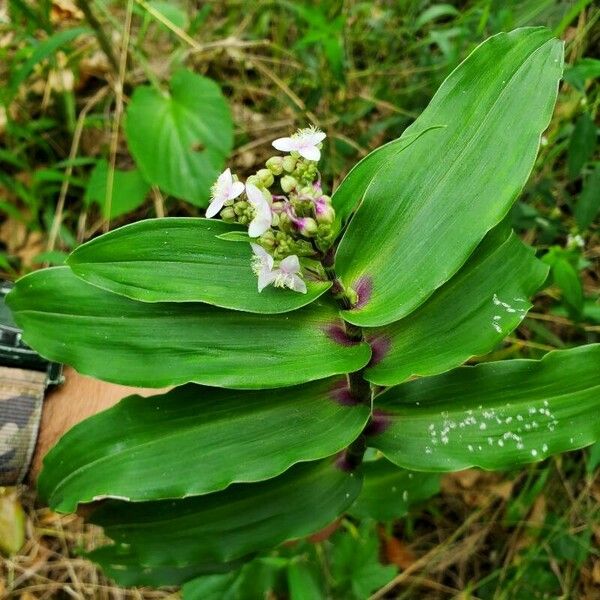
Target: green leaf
pixel 134 450
pixel 183 260
pixel 41 51
pixel 581 145
pixel 126 570
pixel 581 71
pixel 467 316
pixel 567 279
pixel 388 492
pixel 170 11
pixel 129 190
pixel 303 582
pixel 350 192
pixel 495 415
pixel 588 204
pixel 180 140
pixel 435 12
pixel 355 565
pixel 12 522
pixel 228 525
pixel 427 208
pixel 260 578
pixel 210 587
pixel 116 339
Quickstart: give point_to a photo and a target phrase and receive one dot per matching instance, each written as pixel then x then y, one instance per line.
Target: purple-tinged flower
pixel 225 188
pixel 263 217
pixel 305 142
pixel 287 275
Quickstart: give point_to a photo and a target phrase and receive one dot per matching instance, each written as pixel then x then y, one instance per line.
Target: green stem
pixel 90 17
pixel 360 389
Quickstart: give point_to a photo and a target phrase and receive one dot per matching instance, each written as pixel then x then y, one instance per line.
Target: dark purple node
pixel 380 421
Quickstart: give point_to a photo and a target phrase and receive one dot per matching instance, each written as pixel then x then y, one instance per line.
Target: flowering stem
pixel 360 389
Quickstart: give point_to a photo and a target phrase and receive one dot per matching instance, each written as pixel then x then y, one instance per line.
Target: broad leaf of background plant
pixel 225 526
pixel 495 415
pixel 388 491
pixel 116 339
pixel 195 440
pixel 180 140
pixel 588 203
pixel 467 316
pixel 182 260
pixel 582 144
pixel 428 207
pixel 129 190
pixel 355 564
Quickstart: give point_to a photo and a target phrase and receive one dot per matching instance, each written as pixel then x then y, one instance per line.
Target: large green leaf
pixel 427 209
pixel 388 491
pixel 225 526
pixel 180 140
pixel 467 316
pixel 350 192
pixel 136 343
pixel 194 440
pixel 495 415
pixel 127 571
pixel 182 260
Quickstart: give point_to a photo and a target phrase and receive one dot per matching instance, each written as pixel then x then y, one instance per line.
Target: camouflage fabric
pixel 21 395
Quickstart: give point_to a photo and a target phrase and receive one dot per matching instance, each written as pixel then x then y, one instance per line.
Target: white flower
pixel 225 188
pixel 263 216
pixel 304 141
pixel 286 275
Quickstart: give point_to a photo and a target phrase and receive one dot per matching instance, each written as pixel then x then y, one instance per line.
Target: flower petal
pixel 225 179
pixel 237 187
pixel 310 153
pixel 313 138
pixel 214 207
pixel 258 226
pixel 265 258
pixel 290 265
pixel 255 196
pixel 297 284
pixel 265 278
pixel 285 144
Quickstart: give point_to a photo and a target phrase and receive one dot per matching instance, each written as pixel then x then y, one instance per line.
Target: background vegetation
pixel 72 167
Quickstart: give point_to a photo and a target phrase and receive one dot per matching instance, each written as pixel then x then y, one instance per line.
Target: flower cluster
pixel 284 207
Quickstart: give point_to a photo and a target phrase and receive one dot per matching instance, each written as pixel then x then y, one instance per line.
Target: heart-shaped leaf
pixel 183 260
pixel 134 450
pixel 180 140
pixel 467 316
pixel 129 190
pixel 154 345
pixel 495 415
pixel 427 209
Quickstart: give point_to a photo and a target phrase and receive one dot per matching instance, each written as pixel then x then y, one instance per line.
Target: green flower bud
pixel 309 227
pixel 288 183
pixel 325 214
pixel 275 165
pixel 228 214
pixel 254 180
pixel 267 240
pixel 241 207
pixel 289 163
pixel 266 177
